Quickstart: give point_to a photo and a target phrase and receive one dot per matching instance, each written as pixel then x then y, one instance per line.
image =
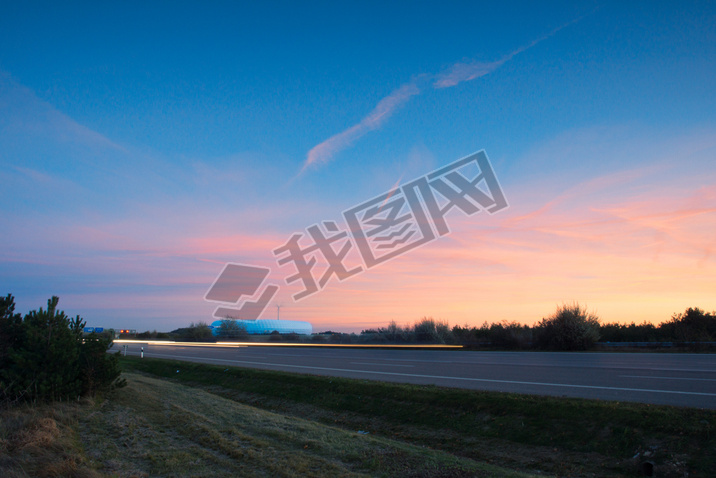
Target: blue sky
pixel 142 146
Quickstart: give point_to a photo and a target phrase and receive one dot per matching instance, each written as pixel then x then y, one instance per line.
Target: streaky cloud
pixel 23 112
pixel 457 73
pixel 462 72
pixel 325 151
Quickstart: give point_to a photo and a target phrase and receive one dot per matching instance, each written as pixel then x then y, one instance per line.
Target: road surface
pixel 659 378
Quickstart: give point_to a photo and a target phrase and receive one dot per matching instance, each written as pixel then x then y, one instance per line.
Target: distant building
pixel 264 327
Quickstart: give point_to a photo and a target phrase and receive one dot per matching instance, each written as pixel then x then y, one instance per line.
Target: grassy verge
pixel 571 437
pixel 217 421
pixel 156 427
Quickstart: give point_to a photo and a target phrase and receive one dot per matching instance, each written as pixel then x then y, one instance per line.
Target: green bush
pixel 10 330
pixel 99 371
pixel 570 328
pixel 46 357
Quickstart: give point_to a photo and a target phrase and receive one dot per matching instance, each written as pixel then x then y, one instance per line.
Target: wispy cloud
pixel 457 73
pixel 461 72
pixel 325 151
pixel 23 113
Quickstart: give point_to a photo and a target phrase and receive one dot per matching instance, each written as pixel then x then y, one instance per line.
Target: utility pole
pixel 278 312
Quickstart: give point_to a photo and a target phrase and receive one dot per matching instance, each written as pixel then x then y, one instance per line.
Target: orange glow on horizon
pixel 634 259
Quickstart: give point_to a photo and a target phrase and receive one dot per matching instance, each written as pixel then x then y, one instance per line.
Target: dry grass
pixel 42 441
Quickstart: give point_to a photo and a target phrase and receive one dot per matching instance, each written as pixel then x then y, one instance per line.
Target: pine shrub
pixel 46 357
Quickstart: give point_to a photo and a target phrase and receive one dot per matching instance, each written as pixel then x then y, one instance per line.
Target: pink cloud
pixel 636 256
pixel 639 255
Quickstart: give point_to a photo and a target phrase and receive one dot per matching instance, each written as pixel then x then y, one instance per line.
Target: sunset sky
pixel 144 145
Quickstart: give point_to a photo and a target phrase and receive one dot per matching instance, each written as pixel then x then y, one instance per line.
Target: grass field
pixel 183 419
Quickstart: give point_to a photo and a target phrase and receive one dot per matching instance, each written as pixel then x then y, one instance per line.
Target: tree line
pixel 571 327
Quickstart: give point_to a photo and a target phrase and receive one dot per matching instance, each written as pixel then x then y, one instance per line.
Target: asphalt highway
pixel 660 378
